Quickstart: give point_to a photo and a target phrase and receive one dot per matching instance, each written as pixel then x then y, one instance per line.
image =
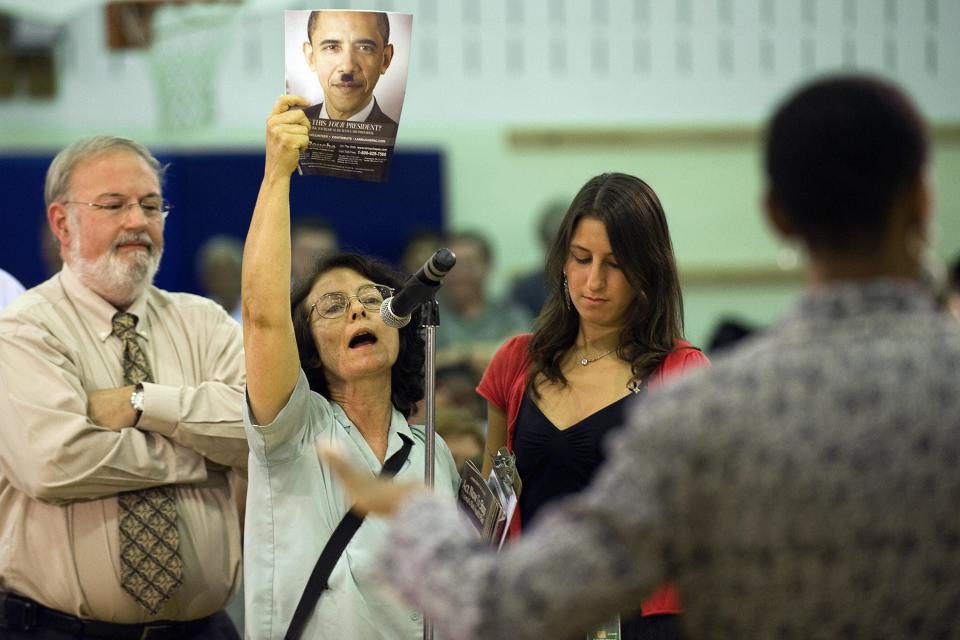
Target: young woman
pixel 612 329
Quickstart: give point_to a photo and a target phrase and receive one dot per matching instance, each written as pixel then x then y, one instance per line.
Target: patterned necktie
pixel 151 569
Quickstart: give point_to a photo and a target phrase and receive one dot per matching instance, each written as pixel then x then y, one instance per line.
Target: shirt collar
pixel 398 424
pixel 360 116
pixel 864 297
pixel 98 312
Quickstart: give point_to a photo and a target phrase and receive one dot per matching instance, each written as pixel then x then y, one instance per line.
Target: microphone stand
pixel 430 320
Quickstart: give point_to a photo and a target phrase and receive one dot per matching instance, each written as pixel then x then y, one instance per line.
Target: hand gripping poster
pixel 351 66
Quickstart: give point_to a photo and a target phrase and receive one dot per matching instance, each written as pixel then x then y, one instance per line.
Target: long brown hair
pixel 637 228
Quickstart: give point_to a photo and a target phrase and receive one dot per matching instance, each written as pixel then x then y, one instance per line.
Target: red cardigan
pixel 504 383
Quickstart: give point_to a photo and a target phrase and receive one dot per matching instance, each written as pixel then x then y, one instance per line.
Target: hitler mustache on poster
pixel 352 68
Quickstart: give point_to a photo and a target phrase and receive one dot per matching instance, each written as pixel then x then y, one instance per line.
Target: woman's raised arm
pixel 270 349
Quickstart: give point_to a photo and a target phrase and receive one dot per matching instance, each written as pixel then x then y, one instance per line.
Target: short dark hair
pixel 410 253
pixel 637 228
pixel 407 373
pixel 551 217
pixel 383 24
pixel 477 238
pixel 839 152
pixel 455 421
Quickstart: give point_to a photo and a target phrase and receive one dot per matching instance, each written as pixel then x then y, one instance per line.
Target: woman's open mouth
pixel 364 338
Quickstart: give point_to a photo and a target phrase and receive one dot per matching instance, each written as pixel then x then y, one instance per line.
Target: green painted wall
pixel 710 191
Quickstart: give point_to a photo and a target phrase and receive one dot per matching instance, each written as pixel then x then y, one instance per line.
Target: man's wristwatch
pixel 136 401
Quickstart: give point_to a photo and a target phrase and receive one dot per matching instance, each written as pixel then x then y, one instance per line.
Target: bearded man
pixel 120 424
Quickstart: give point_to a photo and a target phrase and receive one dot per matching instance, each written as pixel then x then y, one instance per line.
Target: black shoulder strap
pixel 335 547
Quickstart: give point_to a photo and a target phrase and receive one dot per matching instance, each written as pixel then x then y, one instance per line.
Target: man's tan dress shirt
pixel 60 472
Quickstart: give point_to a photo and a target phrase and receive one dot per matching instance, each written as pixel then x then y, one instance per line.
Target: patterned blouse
pixel 807 486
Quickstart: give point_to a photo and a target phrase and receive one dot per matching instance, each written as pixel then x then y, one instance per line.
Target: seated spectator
pixel 218 270
pixel 472 324
pixel 312 238
pixel 456 387
pixel 462 430
pixel 529 290
pixel 418 248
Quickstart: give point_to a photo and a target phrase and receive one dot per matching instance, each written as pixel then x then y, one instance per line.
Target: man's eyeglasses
pixel 333 305
pixel 154 209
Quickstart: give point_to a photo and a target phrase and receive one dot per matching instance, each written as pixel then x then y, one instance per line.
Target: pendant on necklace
pixel 584 360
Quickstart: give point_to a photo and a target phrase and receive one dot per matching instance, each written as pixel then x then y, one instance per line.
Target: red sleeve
pixel 503 385
pixel 665 599
pixel 495 384
pixel 683 359
pixel 504 380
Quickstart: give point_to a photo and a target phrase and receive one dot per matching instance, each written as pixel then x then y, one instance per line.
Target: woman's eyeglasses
pixel 333 305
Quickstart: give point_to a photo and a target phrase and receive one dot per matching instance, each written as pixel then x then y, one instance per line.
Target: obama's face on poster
pixel 349 51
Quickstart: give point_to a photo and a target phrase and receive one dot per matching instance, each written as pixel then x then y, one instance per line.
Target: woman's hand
pixel 369 493
pixel 288 132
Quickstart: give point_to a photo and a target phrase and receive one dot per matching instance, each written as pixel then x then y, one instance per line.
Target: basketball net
pixel 185 55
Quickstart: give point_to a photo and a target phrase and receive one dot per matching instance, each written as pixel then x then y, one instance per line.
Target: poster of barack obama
pixel 350 69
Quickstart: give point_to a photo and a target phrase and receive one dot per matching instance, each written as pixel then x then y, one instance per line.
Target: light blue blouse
pixel 293 506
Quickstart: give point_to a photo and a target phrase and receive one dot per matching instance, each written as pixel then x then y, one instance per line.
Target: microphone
pixel 397 309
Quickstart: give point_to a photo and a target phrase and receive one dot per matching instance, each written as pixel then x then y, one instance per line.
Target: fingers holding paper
pixel 288 132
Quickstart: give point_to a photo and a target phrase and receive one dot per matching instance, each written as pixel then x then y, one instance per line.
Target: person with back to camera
pixel 804 486
pixel 322 368
pixel 612 329
pixel 349 51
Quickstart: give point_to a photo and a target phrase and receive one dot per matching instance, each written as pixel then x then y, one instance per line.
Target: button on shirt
pixel 293 506
pixel 60 473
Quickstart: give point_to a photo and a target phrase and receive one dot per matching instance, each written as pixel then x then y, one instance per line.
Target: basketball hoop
pixel 187 48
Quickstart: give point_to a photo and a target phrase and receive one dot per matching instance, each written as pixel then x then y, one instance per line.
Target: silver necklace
pixel 584 361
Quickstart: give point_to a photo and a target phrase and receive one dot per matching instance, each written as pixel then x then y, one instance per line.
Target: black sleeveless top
pixel 554 463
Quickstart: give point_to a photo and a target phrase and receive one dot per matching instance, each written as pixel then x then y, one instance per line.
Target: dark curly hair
pixel 406 376
pixel 637 228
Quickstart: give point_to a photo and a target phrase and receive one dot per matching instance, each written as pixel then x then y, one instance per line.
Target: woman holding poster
pixel 322 368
